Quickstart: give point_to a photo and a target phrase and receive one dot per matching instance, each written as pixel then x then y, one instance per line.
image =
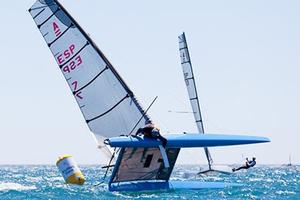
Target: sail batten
pixel 89 120
pixel 38 13
pixel 106 102
pixel 86 85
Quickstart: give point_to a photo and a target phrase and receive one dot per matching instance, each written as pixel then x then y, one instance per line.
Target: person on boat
pixel 151 131
pixel 248 164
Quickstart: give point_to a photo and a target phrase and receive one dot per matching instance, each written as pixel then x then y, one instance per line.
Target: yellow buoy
pixel 69 170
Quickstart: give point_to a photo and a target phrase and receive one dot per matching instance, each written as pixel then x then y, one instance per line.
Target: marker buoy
pixel 69 170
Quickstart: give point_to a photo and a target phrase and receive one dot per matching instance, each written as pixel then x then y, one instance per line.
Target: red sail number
pixel 77 94
pixel 73 64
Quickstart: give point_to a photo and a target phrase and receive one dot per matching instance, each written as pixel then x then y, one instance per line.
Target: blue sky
pixel 246 63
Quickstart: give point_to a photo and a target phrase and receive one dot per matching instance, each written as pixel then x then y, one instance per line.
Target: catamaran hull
pixel 170 185
pixel 186 140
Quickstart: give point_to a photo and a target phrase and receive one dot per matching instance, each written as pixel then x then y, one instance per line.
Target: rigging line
pixel 86 44
pixel 162 123
pixel 184 112
pixel 182 48
pixel 139 106
pixel 89 120
pixel 39 26
pixel 109 164
pixel 38 13
pixel 91 80
pixel 49 44
pixel 143 115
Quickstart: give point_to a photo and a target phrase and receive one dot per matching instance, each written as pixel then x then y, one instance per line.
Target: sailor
pixel 151 131
pixel 248 164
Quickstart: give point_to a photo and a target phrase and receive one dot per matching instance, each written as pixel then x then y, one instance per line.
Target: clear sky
pixel 246 63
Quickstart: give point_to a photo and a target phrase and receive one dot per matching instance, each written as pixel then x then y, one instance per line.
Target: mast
pixel 192 90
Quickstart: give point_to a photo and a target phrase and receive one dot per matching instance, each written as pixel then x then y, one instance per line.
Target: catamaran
pixel 290 161
pixel 189 79
pixel 112 112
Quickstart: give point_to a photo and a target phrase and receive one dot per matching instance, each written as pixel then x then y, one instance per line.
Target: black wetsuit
pixel 152 132
pixel 249 164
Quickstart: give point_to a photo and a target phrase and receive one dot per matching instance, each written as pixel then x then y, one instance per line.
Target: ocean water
pixel 45 182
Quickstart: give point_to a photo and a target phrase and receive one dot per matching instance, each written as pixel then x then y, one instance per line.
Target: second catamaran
pixel 193 96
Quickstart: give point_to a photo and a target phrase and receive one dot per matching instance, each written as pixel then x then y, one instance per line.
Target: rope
pixel 109 164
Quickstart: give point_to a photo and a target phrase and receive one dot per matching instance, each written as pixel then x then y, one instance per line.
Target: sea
pixel 45 182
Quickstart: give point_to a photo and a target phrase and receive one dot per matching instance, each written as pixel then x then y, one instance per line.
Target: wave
pixel 6 186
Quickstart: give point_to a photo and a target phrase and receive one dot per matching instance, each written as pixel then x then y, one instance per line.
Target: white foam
pixel 285 192
pixel 15 186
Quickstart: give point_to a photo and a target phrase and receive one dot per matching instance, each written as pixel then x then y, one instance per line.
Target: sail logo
pixel 56 29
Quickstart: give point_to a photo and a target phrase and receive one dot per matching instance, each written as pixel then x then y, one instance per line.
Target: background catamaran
pixel 111 109
pixel 194 100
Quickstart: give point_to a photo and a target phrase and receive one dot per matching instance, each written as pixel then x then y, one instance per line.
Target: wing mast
pixel 191 88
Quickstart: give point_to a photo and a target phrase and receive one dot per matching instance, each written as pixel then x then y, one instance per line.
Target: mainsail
pixel 191 88
pixel 107 104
